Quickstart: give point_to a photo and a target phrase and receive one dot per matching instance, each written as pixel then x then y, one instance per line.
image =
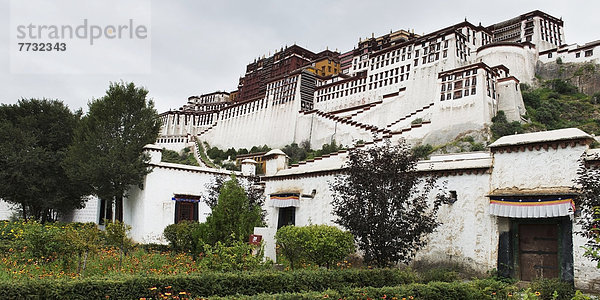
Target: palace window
pixel 186 208
pixel 589 53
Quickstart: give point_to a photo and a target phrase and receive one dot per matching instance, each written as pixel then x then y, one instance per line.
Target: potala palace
pixel 511 201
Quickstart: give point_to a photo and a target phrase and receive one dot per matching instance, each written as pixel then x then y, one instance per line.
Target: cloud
pixel 202 46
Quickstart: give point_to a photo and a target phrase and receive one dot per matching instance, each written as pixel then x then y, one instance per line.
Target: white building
pixel 514 208
pixel 389 81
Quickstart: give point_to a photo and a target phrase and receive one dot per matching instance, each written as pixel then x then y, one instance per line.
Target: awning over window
pixel 186 198
pixel 531 207
pixel 285 200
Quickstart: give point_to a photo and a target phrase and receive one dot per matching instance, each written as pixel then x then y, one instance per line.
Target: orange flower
pixel 537 293
pixel 153 288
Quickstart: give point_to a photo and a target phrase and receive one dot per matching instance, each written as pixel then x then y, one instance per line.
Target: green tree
pixel 383 202
pixel 117 235
pixel 501 127
pixel 108 148
pixel 254 192
pixel 34 137
pixel 233 218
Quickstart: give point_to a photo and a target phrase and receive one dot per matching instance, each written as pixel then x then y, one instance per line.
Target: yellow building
pixel 326 64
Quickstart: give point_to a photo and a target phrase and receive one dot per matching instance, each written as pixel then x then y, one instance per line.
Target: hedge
pixel 206 284
pixel 475 290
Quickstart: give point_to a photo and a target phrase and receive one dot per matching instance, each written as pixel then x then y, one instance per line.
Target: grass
pixel 105 264
pixel 203 156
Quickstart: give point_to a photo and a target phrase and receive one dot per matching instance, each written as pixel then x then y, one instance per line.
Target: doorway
pixel 538 251
pixel 287 216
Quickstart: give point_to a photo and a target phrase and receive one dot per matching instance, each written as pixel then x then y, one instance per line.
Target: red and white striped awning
pixel 531 207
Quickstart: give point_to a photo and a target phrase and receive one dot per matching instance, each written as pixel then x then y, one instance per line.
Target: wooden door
pixel 538 251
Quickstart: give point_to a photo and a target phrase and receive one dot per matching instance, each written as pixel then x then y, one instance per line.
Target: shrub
pixel 116 235
pixel 186 236
pixel 433 291
pixel 562 87
pixel 531 99
pixel 477 147
pixel 207 284
pixel 185 158
pixel 422 151
pixel 239 256
pixel 290 243
pixel 417 121
pixel 322 245
pixel 439 274
pixel 549 287
pixel 45 242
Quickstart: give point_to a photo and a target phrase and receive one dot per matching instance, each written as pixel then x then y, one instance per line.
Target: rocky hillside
pixel 584 76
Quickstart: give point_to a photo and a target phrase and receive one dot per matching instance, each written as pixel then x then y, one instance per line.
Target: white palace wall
pixel 273 125
pixel 519 59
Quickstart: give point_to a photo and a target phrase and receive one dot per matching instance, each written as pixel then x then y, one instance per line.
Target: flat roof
pixel 541 137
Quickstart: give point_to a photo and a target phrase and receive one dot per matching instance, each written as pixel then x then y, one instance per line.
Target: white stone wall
pixel 151 209
pixel 6 210
pixel 89 213
pixel 510 99
pixel 537 169
pixel 586 274
pixel 317 210
pixel 468 234
pixel 178 144
pixel 320 130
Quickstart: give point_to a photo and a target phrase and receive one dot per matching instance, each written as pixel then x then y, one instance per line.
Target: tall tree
pixel 254 192
pixel 233 216
pixel 383 202
pixel 108 147
pixel 34 136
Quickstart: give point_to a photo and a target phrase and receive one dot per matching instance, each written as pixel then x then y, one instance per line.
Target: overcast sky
pixel 203 46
